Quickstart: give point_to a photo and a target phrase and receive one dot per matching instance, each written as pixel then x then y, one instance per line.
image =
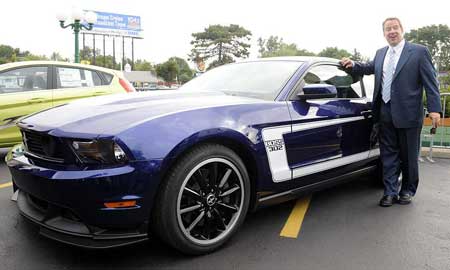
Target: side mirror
pixel 315 91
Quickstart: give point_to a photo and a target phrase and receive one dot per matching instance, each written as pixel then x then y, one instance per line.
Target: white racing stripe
pixel 323 166
pixel 325 123
pixel 277 155
pixel 276 152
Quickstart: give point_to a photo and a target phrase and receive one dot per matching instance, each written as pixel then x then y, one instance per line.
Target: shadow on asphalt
pixel 260 229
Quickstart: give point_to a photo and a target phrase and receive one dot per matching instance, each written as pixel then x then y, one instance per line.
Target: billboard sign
pixel 117 24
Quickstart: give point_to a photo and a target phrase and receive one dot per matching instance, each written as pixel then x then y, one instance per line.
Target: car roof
pixel 308 59
pixel 59 63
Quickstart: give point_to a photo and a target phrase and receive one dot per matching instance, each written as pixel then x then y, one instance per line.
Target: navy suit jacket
pixel 413 73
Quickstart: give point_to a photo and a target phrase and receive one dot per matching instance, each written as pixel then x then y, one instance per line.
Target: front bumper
pixel 59 224
pixel 69 205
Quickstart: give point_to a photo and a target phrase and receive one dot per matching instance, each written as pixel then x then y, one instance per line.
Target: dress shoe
pixel 405 199
pixel 388 200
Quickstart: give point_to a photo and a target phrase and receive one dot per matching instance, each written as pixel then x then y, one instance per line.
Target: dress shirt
pixel 398 51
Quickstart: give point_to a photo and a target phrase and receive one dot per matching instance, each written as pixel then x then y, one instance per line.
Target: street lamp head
pixel 77 14
pixel 61 16
pixel 91 17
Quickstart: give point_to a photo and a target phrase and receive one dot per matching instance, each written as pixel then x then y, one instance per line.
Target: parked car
pixel 28 87
pixel 188 165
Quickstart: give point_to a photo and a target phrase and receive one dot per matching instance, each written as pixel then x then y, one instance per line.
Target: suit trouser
pixel 399 149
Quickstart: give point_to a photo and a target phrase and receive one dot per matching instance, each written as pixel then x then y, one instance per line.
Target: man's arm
pixel 358 68
pixel 430 83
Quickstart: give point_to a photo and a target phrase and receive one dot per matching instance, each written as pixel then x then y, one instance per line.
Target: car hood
pixel 109 115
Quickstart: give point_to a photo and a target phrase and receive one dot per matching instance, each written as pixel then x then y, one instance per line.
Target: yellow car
pixel 28 87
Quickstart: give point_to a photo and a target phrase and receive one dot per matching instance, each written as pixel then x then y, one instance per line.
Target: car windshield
pixel 259 79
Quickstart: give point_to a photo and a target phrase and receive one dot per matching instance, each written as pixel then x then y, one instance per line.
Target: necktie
pixel 386 92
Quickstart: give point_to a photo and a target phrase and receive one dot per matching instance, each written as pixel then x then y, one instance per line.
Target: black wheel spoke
pixel 193 194
pixel 190 208
pixel 230 191
pixel 227 207
pixel 207 227
pixel 213 174
pixel 196 221
pixel 200 179
pixel 219 219
pixel 225 177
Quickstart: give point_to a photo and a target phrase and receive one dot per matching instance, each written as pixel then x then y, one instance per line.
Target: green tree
pixel 7 53
pixel 56 56
pixel 185 73
pixel 143 65
pixel 167 70
pixel 269 46
pixel 356 55
pixel 445 82
pixel 31 57
pixel 221 43
pixel 334 52
pixel 274 46
pixel 225 60
pixel 87 53
pixel 10 54
pixel 433 36
pixel 107 61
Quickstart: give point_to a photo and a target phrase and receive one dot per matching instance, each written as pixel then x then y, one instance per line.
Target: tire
pixel 203 200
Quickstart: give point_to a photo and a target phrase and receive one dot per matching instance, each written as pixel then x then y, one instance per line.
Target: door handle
pixel 35 100
pixel 367 114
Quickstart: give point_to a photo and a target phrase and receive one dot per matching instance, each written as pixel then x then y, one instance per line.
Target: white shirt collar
pixel 398 47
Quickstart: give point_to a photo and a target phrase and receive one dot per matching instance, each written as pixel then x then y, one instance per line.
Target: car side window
pixel 23 79
pixel 346 85
pixel 76 78
pixel 108 78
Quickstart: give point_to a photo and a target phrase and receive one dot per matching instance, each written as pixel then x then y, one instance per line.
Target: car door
pixel 328 132
pixel 74 83
pixel 23 90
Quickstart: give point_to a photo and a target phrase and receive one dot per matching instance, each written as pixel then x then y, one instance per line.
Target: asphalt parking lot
pixel 343 229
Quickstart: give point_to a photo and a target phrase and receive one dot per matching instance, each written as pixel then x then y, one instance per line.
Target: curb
pixel 437 152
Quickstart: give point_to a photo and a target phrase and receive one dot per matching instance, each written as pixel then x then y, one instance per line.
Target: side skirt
pixel 297 192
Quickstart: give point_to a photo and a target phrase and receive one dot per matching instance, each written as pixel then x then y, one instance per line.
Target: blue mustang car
pixel 187 165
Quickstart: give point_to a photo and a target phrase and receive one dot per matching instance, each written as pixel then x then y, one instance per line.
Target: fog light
pixel 16 151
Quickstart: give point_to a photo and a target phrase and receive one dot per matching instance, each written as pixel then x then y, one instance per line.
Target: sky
pixel 168 25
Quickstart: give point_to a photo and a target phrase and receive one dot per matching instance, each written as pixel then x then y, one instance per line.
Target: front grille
pixel 43 146
pixel 35 143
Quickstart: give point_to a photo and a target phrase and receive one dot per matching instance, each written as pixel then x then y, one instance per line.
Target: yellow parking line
pixel 6 185
pixel 295 220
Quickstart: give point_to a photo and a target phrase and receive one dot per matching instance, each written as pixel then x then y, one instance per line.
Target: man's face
pixel 393 32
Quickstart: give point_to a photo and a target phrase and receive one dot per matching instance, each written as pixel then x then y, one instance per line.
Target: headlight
pixel 99 151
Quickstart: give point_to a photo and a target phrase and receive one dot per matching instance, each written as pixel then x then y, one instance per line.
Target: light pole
pixel 77 25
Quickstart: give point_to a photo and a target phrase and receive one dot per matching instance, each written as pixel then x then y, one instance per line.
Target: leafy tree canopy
pixel 221 43
pixel 433 37
pixel 143 65
pixel 10 54
pixel 334 52
pixel 167 70
pixel 185 73
pixel 275 46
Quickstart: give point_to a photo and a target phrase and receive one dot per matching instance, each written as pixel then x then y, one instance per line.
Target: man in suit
pixel 401 70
